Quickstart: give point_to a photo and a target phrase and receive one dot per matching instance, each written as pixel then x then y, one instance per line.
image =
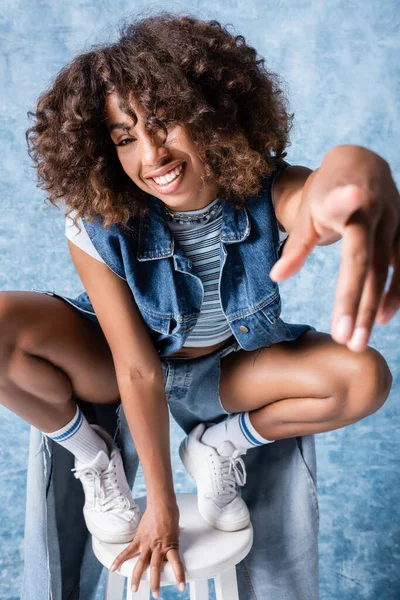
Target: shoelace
pixel 229 476
pixel 107 494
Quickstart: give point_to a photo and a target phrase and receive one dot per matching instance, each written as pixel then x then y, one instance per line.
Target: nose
pixel 153 150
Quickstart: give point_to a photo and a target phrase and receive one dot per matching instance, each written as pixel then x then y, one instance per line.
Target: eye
pixel 125 140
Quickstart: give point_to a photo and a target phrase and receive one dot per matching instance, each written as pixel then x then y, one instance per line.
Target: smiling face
pixel 172 171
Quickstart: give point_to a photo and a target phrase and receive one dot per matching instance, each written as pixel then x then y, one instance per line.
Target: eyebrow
pixel 124 126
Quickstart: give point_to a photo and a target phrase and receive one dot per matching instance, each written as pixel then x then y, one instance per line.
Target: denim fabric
pixel 280 492
pixel 169 293
pixel 281 489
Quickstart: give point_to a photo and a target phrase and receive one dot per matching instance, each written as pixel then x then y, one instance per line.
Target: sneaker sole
pixel 234 526
pixel 111 538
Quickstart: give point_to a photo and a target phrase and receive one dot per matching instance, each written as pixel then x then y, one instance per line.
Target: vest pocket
pixel 277 330
pixel 273 310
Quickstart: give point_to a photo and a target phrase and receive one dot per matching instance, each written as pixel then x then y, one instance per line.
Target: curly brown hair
pixel 180 70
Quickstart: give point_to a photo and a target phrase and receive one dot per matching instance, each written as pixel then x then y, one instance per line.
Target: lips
pixel 171 187
pixel 164 170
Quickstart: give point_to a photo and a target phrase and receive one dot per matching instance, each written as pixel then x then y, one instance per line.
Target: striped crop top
pixel 199 239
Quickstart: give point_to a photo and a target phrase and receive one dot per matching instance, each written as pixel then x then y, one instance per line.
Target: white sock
pixel 238 429
pixel 80 438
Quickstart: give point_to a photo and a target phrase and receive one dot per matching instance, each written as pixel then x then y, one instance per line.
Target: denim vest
pixel 169 293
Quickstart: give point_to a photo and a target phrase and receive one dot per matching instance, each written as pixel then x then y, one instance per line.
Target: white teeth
pixel 170 176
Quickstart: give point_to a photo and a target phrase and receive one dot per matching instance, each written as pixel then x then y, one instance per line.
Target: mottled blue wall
pixel 340 64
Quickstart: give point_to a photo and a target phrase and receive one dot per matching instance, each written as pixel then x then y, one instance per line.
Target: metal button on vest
pixel 243 328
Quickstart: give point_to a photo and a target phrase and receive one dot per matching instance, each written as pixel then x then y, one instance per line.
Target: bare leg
pixel 304 387
pixel 49 356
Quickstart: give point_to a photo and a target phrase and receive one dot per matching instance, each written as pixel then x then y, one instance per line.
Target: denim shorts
pixel 192 386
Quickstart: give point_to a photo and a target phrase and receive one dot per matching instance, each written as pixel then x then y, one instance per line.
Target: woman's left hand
pixel 351 196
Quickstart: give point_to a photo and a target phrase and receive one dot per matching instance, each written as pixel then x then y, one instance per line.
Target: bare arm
pixel 288 190
pixel 141 385
pixel 146 412
pixel 138 370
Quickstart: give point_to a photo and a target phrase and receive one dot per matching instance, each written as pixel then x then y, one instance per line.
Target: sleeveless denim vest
pixel 169 293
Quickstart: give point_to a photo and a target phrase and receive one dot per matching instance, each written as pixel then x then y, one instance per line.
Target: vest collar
pixel 156 239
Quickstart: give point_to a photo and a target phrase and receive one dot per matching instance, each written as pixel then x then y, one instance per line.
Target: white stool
pixel 206 553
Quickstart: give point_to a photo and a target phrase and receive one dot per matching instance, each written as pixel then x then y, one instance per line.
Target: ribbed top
pixel 200 240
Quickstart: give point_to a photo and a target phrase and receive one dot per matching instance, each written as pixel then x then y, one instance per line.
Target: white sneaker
pixel 110 512
pixel 217 477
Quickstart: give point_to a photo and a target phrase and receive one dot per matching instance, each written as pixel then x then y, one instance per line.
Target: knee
pixel 19 328
pixel 369 381
pixel 13 337
pixel 7 336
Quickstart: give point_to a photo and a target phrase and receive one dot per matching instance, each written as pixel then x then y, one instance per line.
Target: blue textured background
pixel 340 64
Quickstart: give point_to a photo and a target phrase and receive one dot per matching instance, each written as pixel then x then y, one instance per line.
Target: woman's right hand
pixel 157 540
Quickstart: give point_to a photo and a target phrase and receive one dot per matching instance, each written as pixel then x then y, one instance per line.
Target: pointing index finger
pixel 299 244
pixel 294 254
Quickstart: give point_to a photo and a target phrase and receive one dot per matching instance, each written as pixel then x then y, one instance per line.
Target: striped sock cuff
pixel 70 429
pixel 247 429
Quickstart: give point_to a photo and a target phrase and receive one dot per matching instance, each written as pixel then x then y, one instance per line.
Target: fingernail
pixel 275 269
pixel 343 328
pixel 156 594
pixel 181 587
pixel 134 587
pixel 113 567
pixel 349 188
pixel 359 338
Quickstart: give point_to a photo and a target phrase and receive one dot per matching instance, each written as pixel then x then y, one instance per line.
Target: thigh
pixel 313 366
pixel 50 328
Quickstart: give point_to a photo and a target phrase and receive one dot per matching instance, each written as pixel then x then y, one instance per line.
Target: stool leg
pixel 199 589
pixel 143 592
pixel 114 588
pixel 226 585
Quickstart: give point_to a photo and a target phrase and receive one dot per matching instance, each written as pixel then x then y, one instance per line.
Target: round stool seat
pixel 204 550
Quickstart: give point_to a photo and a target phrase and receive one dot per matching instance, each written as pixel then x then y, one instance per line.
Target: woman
pixel 165 147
